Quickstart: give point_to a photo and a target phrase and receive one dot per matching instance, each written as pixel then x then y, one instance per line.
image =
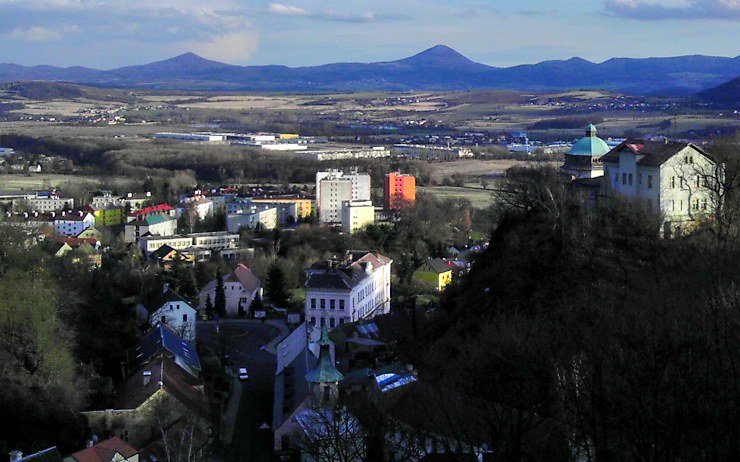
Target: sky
pixel 106 34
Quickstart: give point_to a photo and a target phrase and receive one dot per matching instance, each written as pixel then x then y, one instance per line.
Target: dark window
pixel 184 318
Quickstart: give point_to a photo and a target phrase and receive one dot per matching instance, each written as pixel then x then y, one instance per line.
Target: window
pixel 703 204
pixel 163 320
pixel 680 182
pixel 698 180
pixel 331 304
pixel 313 320
pixel 341 304
pixel 673 206
pixel 331 322
pixel 323 304
pixel 184 318
pixel 680 204
pixel 650 181
pixel 624 178
pixel 313 303
pixel 629 179
pixel 323 322
pixel 695 204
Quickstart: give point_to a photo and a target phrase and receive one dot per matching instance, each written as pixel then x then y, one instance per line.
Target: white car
pixel 243 374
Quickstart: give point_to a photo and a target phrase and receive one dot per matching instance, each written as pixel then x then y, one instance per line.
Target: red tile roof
pixel 153 209
pixel 105 451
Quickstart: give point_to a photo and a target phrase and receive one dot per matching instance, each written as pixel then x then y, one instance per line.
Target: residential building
pixel 333 187
pixel 399 190
pixel 200 205
pixel 152 210
pixel 256 216
pixel 218 241
pixel 158 225
pixel 171 310
pixel 583 160
pixel 241 287
pixel 42 201
pixel 359 287
pixel 435 272
pixel 669 178
pixel 110 450
pixel 303 205
pixel 356 215
pixel 135 201
pixel 106 215
pixel 73 223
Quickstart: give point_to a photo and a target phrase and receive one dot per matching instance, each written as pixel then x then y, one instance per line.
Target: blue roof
pixel 155 341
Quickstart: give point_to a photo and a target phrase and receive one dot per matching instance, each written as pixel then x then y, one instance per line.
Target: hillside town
pixel 221 319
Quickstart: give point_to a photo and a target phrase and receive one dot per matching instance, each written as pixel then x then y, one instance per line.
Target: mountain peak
pixel 440 55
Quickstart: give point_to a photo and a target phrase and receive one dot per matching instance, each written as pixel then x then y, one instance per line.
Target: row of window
pixel 627 179
pixel 331 323
pixel 332 303
pixel 698 182
pixel 696 205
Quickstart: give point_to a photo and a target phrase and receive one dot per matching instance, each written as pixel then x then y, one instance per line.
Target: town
pixel 284 321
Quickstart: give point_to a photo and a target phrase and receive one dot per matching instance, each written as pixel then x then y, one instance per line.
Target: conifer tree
pixel 219 302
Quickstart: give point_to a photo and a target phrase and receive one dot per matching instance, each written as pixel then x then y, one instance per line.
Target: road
pixel 243 341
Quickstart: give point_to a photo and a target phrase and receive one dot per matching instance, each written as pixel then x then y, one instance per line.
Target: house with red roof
pixel 241 286
pixel 110 450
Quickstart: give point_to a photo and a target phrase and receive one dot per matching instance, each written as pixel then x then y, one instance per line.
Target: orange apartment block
pixel 400 189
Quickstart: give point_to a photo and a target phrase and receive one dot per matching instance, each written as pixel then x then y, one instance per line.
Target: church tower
pixel 325 377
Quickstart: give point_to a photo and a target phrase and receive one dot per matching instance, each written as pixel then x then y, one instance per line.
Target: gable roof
pixel 165 375
pixel 245 276
pixel 154 209
pixel 162 252
pixel 105 451
pixel 652 153
pixel 344 276
pixel 158 339
pixel 438 265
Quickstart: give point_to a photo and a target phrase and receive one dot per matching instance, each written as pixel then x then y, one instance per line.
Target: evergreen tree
pixel 219 302
pixel 276 286
pixel 240 309
pixel 209 307
pixel 257 304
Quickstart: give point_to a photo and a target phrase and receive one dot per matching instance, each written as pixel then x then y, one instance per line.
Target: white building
pixel 157 225
pixel 333 188
pixel 240 287
pixel 670 178
pixel 356 215
pixel 73 223
pixel 221 240
pixel 357 288
pixel 265 216
pixel 173 311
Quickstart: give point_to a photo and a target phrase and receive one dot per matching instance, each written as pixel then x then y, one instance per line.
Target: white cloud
pixel 684 9
pixel 287 10
pixel 282 9
pixel 232 48
pixel 33 34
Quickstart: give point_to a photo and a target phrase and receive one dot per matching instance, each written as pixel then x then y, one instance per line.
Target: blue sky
pixel 105 34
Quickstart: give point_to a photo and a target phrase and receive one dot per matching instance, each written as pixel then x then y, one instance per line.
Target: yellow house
pixel 435 272
pixel 303 205
pixel 106 216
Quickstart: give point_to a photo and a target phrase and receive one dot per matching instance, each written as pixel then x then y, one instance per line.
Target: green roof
pixel 325 372
pixel 590 145
pixel 155 220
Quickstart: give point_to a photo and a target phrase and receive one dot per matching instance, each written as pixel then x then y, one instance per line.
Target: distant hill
pixel 726 93
pixel 438 68
pixel 44 91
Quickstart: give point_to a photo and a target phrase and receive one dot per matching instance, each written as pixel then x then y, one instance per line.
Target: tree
pixel 219 302
pixel 331 434
pixel 276 286
pixel 209 307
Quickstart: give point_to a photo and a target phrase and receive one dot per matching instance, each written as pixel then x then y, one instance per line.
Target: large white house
pixel 72 223
pixel 171 310
pixel 673 179
pixel 240 287
pixel 357 288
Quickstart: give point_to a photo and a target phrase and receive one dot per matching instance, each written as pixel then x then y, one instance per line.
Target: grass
pixel 479 198
pixel 24 182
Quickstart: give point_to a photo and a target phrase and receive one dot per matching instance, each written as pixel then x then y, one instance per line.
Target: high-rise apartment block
pixel 333 188
pixel 400 189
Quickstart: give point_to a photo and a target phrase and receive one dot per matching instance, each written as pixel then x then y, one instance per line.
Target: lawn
pixel 479 198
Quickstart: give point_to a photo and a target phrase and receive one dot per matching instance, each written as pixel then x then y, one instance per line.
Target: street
pixel 244 341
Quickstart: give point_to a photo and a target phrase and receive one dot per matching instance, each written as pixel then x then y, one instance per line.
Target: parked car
pixel 243 374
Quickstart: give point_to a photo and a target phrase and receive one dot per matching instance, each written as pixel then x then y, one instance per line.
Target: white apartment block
pixel 267 217
pixel 333 187
pixel 670 178
pixel 356 215
pixel 72 224
pixel 357 288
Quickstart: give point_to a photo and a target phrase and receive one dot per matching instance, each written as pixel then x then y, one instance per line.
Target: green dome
pixel 590 145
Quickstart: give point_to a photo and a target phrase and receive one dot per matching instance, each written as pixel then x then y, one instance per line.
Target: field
pixel 24 182
pixel 474 168
pixel 478 197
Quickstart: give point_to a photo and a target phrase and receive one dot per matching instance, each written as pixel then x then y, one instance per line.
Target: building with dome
pixel 583 160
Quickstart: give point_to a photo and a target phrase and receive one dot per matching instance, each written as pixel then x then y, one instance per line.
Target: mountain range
pixel 438 68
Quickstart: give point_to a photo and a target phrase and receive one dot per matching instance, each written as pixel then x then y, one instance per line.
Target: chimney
pixel 15 456
pixel 147 376
pixel 148 194
pixel 129 195
pixel 25 214
pixel 64 214
pixel 80 213
pixel 53 214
